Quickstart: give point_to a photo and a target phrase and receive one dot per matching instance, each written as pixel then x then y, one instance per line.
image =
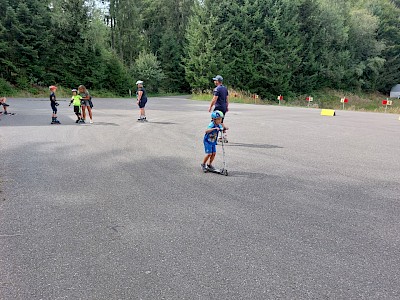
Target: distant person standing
pixel 141 99
pixel 220 99
pixel 4 104
pixel 53 104
pixel 85 103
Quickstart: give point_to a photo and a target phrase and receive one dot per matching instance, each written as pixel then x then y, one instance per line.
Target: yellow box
pixel 328 112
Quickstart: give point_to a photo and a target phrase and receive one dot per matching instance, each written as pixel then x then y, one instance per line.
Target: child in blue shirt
pixel 210 139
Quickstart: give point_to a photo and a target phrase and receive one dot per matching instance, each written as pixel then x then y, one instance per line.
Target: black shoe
pixel 77 121
pixel 210 167
pixel 5 104
pixel 6 113
pixel 204 168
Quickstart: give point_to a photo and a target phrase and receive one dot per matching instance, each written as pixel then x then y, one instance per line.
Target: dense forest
pixel 267 47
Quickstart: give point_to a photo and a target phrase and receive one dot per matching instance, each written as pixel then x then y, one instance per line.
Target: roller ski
pixel 55 121
pixel 5 105
pixel 142 119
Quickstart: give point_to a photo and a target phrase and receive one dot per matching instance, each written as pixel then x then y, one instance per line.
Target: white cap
pixel 139 82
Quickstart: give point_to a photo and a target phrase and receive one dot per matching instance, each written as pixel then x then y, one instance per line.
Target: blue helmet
pixel 217 114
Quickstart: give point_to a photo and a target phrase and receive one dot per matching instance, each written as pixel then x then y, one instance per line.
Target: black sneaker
pixel 204 168
pixel 77 121
pixel 210 167
pixel 5 104
pixel 6 113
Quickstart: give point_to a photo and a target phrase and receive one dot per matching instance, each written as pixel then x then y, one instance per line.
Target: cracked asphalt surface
pixel 120 209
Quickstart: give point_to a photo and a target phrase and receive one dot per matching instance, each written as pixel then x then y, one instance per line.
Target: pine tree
pixel 388 33
pixel 201 58
pixel 8 34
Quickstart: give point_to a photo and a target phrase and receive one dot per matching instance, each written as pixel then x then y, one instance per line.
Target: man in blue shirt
pixel 220 99
pixel 220 96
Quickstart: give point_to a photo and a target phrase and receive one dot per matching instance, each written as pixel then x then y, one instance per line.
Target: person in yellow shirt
pixel 76 102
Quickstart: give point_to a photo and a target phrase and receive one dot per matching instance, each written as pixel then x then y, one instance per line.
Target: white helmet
pixel 139 82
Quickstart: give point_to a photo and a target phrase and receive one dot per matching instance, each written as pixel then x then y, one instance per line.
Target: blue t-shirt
pixel 211 137
pixel 222 93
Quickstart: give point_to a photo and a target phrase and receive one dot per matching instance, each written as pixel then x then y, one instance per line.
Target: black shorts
pixel 53 107
pixel 142 103
pixel 77 110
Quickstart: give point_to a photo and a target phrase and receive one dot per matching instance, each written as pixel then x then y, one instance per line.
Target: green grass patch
pixel 234 97
pixel 321 99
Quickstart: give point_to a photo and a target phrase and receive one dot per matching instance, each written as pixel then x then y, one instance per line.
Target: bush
pixel 23 83
pixel 148 69
pixel 6 89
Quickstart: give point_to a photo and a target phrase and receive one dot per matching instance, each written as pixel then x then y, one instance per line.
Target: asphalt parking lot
pixel 120 209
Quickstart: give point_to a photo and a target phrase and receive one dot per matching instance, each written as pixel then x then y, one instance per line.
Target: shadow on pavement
pixel 32 120
pixel 249 175
pixel 104 124
pixel 259 146
pixel 162 123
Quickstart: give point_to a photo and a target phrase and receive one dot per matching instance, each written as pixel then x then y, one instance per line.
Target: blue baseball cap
pixel 218 78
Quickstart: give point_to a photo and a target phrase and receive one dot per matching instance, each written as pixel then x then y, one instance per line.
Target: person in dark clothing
pixel 53 104
pixel 4 104
pixel 220 100
pixel 141 100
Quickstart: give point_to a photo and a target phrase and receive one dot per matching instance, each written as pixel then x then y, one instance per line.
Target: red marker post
pixel 387 103
pixel 343 101
pixel 309 99
pixel 255 96
pixel 280 98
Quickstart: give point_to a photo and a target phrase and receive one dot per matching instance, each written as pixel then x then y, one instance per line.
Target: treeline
pixel 267 47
